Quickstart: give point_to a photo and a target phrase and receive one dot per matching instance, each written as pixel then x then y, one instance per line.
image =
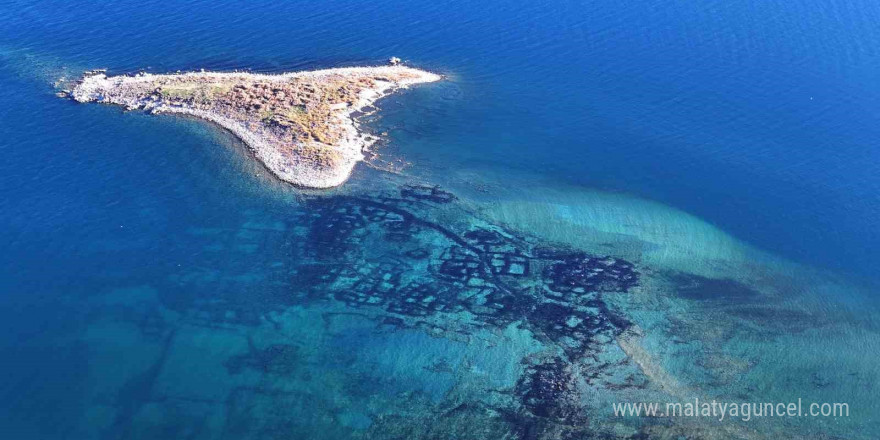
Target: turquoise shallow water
pixel 638 202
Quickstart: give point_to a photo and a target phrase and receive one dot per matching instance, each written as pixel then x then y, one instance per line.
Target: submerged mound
pixel 300 125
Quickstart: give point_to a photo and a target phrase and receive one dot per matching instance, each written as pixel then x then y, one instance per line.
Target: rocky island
pixel 301 125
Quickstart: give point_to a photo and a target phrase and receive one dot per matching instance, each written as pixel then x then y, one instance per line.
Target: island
pixel 301 125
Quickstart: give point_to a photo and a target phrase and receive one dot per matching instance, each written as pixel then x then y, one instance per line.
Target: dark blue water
pixel 758 117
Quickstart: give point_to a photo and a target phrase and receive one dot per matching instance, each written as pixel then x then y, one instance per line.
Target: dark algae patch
pixel 698 288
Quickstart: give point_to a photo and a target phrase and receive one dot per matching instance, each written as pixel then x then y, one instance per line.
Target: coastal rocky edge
pixel 301 125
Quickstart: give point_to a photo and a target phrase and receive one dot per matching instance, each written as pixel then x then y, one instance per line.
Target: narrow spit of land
pixel 301 125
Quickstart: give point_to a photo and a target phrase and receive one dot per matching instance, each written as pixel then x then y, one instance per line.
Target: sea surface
pixel 604 202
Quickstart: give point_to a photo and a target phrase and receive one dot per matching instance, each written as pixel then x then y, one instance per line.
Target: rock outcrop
pixel 300 125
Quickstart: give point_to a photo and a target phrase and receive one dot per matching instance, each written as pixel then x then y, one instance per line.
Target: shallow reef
pixel 386 254
pixel 389 303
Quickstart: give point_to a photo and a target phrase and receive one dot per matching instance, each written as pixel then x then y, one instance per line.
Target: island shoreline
pixel 267 140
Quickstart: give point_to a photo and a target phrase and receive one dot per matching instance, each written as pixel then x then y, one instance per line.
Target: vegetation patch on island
pixel 300 125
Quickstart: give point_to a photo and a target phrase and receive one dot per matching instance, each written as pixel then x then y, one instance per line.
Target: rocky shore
pixel 300 125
